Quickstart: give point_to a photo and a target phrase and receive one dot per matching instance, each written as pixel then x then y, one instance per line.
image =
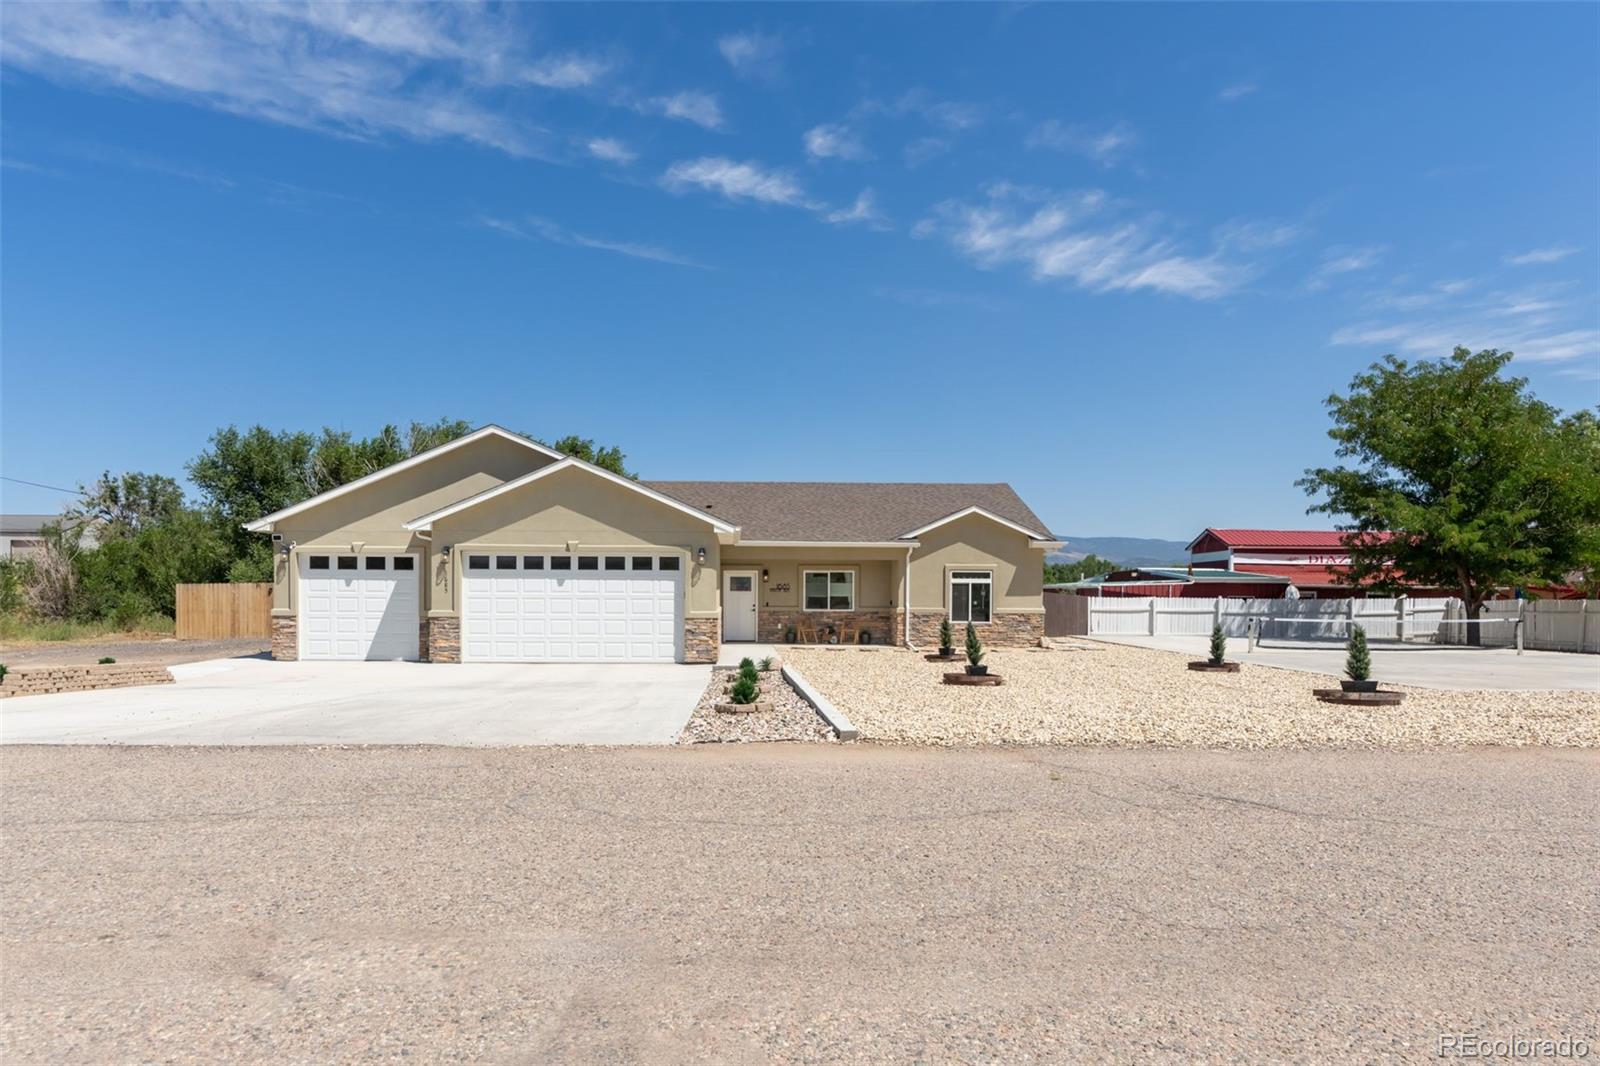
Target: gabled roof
pixel 265 522
pixel 1275 538
pixel 974 510
pixel 569 463
pixel 847 511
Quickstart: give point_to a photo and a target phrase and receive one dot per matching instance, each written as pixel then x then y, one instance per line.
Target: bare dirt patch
pixel 1126 696
pixel 165 650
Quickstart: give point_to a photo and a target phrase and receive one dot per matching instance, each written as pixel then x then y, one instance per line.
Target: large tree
pixel 124 504
pixel 1458 478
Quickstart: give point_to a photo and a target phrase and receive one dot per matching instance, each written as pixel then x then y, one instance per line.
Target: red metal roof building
pixel 1312 560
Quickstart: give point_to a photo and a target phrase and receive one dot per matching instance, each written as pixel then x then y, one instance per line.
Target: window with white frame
pixel 971 595
pixel 830 590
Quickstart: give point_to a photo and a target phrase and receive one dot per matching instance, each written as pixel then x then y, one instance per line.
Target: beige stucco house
pixel 495 548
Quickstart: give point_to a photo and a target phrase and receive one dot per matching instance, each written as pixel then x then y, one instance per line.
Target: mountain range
pixel 1128 551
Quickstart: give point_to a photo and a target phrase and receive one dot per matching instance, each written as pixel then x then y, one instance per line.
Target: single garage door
pixel 551 608
pixel 359 607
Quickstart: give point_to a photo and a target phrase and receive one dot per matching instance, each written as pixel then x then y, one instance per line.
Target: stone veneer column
pixel 701 639
pixel 444 639
pixel 285 638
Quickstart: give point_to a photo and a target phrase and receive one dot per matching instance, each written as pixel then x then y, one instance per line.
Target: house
pixel 22 535
pixel 494 547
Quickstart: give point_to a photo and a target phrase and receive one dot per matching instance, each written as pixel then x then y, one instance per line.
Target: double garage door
pixel 359 607
pixel 572 608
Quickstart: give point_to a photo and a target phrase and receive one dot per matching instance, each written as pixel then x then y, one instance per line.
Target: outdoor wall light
pixel 445 551
pixel 700 556
pixel 764 575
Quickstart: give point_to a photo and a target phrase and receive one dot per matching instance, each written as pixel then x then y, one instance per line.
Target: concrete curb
pixel 830 714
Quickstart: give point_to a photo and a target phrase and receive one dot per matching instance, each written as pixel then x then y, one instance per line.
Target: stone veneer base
pixel 702 638
pixel 285 638
pixel 1006 631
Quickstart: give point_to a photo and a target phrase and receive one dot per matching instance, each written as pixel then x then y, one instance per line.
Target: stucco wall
pixel 877 572
pixel 575 506
pixel 977 543
pixel 375 515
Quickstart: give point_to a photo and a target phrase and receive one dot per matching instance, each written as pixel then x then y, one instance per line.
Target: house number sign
pixel 779 586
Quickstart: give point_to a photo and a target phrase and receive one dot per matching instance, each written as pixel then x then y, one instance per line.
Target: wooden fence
pixel 224 611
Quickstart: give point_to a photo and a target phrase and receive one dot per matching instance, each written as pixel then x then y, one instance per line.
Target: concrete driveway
pixel 257 701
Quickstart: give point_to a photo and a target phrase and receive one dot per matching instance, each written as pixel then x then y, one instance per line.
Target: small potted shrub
pixel 947 648
pixel 975 665
pixel 1358 663
pixel 789 635
pixel 1216 661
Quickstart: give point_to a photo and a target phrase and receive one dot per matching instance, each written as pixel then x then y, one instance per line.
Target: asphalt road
pixel 791 903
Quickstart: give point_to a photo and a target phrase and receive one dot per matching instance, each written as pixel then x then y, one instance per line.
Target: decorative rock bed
pixel 779 714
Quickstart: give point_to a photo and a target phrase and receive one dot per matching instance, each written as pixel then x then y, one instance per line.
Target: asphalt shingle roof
pixel 843 510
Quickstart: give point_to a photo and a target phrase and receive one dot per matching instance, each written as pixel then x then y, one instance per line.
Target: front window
pixel 830 590
pixel 971 595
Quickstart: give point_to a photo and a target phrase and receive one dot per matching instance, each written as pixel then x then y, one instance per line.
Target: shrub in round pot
pixel 789 635
pixel 1358 663
pixel 974 653
pixel 947 648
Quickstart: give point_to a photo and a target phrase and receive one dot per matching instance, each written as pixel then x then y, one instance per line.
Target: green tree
pixel 583 448
pixel 1458 478
pixel 1357 660
pixel 1087 567
pixel 242 476
pixel 121 506
pixel 1219 646
pixel 974 648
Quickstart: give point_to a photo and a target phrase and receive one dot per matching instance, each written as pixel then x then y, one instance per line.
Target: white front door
pixel 359 606
pixel 739 605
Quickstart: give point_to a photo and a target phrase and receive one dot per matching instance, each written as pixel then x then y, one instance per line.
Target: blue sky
pixel 1116 256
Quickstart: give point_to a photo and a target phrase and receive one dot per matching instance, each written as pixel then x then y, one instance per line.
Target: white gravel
pixel 1127 697
pixel 791 718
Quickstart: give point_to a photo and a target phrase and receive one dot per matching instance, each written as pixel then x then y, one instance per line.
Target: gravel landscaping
pixel 1127 697
pixel 791 717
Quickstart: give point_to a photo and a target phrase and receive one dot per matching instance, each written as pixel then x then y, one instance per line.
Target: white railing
pixel 1550 625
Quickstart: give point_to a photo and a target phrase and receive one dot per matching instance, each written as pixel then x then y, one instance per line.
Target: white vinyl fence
pixel 1550 625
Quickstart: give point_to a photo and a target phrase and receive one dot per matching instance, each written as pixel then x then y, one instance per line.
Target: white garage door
pixel 572 608
pixel 359 607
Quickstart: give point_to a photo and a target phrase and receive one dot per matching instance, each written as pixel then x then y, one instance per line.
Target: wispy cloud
pixel 610 150
pixel 691 105
pixel 1105 145
pixel 924 149
pixel 1079 238
pixel 953 115
pixel 347 69
pixel 1237 91
pixel 736 181
pixel 1540 323
pixel 864 212
pixel 1258 235
pixel 567 71
pixel 533 227
pixel 833 141
pixel 1542 255
pixel 1343 260
pixel 753 55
